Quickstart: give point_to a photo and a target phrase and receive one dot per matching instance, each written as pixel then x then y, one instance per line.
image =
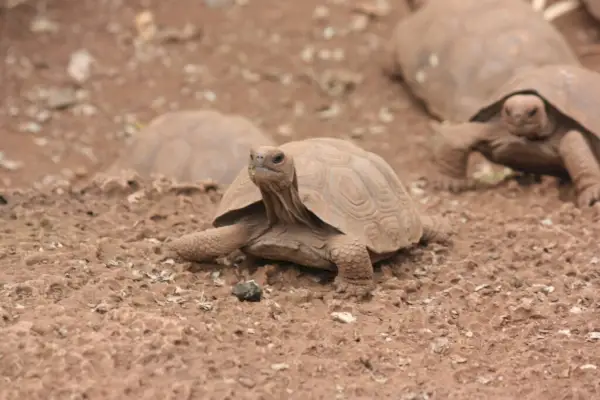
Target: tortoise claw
pixel 346 289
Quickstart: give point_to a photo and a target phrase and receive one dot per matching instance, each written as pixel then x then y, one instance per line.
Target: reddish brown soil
pixel 90 306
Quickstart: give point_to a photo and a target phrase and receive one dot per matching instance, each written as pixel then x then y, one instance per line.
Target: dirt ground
pixel 91 307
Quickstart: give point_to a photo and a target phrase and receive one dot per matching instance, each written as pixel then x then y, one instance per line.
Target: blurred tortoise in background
pixel 545 120
pixel 321 202
pixel 191 146
pixel 453 54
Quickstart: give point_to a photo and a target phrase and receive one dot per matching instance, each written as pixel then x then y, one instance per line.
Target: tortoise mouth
pixel 532 132
pixel 261 174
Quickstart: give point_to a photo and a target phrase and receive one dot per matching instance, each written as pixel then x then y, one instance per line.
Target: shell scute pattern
pixel 365 202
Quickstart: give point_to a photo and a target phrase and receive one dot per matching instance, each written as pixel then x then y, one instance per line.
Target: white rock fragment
pixel 80 64
pixel 280 366
pixel 593 336
pixel 344 317
pixel 434 61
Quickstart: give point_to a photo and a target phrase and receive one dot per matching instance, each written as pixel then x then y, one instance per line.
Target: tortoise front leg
pixel 582 166
pixel 452 145
pixel 355 270
pixel 211 243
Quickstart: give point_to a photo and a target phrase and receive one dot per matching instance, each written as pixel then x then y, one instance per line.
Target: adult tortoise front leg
pixel 211 243
pixel 355 270
pixel 452 145
pixel 583 167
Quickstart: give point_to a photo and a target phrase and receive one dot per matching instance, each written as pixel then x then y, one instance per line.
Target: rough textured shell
pixel 190 146
pixel 593 6
pixel 354 190
pixel 467 48
pixel 571 89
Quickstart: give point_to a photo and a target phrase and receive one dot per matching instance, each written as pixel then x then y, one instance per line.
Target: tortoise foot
pixel 346 289
pixel 589 196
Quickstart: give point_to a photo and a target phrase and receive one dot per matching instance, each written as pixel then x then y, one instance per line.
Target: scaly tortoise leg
pixel 355 270
pixel 583 167
pixel 436 229
pixel 211 243
pixel 452 145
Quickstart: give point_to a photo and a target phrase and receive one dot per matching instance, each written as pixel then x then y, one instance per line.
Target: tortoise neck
pixel 283 205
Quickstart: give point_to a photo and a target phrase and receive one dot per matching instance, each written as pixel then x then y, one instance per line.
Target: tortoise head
pixel 271 168
pixel 525 116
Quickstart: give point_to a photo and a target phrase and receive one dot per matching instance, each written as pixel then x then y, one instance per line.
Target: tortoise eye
pixel 532 112
pixel 277 158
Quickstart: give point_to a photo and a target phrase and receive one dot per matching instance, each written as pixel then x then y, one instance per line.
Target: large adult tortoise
pixel 191 146
pixel 453 54
pixel 544 120
pixel 320 202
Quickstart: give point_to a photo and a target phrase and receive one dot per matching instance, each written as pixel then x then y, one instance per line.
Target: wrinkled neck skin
pixel 284 206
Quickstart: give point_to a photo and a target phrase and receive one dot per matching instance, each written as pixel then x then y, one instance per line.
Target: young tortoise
pixel 543 121
pixel 191 146
pixel 467 48
pixel 321 202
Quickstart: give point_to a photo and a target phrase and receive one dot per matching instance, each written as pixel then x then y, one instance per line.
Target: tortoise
pixel 453 54
pixel 321 202
pixel 191 145
pixel 542 121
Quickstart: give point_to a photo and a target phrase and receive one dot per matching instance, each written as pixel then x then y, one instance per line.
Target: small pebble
pixel 279 366
pixel 594 336
pixel 247 291
pixel 344 317
pixel 80 65
pixel 61 98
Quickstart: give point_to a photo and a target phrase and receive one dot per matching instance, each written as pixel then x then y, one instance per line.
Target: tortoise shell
pixel 572 90
pixel 349 188
pixel 593 7
pixel 190 146
pixel 453 54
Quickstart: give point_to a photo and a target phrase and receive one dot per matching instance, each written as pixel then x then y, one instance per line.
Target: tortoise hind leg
pixel 211 243
pixel 436 229
pixel 355 270
pixel 583 167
